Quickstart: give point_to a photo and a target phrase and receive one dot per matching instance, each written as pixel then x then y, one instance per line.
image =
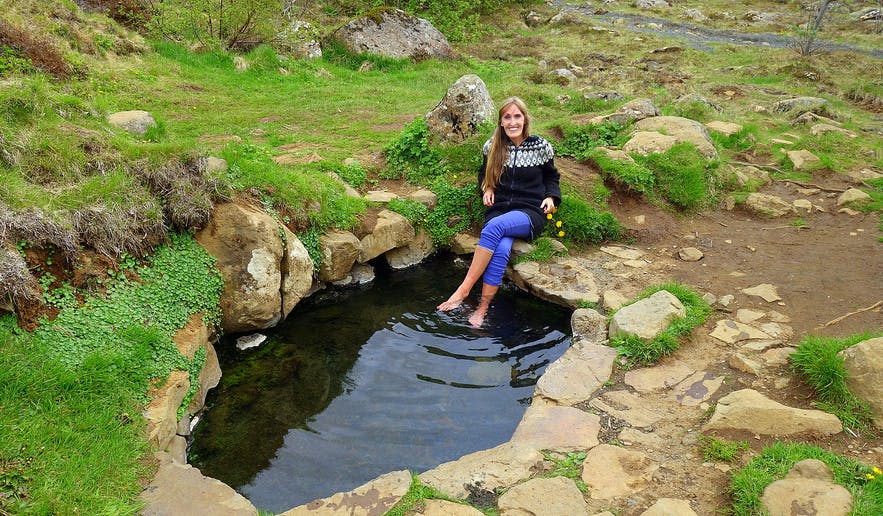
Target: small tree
pixel 231 24
pixel 807 43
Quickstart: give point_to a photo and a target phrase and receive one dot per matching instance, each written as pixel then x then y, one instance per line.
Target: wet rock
pixel 768 205
pixel 648 317
pixel 564 280
pixel 502 466
pixel 863 363
pixel 250 341
pixel 389 231
pixel 697 388
pixel 339 251
pixel 657 378
pixel 577 374
pixel 765 291
pixel 550 496
pixel 181 489
pixel 462 111
pixel 808 488
pixel 417 250
pixel 750 411
pixel 394 33
pixel 375 497
pixel 611 472
pixel 551 427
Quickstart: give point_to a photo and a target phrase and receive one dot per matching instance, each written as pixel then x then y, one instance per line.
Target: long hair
pixel 498 154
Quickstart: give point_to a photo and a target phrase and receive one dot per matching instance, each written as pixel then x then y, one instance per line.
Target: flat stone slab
pixel 372 498
pixel 750 411
pixel 181 489
pixel 446 508
pixel 610 472
pixel 503 466
pixel 670 507
pixel 627 407
pixel 623 253
pixel 697 388
pixel 657 378
pixel 556 496
pixel 765 291
pixel 551 427
pixel 577 374
pixel 731 332
pixel 564 281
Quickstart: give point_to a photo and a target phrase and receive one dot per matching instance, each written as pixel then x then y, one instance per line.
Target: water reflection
pixel 365 382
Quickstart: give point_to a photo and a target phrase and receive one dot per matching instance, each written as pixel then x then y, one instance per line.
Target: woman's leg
pixel 493 248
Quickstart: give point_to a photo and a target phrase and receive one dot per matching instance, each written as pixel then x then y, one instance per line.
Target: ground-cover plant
pixel 863 481
pixel 415 211
pixel 683 176
pixel 579 141
pixel 411 156
pixel 544 249
pixel 417 492
pixel 72 391
pixel 579 222
pixel 457 210
pixel 568 466
pixel 714 449
pixel 638 352
pixel 818 362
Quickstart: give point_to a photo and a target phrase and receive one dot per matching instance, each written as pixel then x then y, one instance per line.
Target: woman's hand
pixel 488 197
pixel 548 205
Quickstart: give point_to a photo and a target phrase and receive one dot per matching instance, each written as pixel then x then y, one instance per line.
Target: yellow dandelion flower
pixel 558 224
pixel 870 476
pixel 877 471
pixel 549 216
pixel 561 233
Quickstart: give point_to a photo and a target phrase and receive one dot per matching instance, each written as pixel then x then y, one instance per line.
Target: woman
pixel 519 186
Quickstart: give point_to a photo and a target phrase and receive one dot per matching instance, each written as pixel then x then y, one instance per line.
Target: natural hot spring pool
pixel 360 382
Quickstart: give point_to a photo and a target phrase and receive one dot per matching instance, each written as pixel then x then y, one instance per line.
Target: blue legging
pixel 498 235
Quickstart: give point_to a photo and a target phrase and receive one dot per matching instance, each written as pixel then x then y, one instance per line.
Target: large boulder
pixel 248 250
pixel 564 280
pixel 297 272
pixel 136 121
pixel 682 129
pixel 863 363
pixel 466 106
pixel 387 231
pixel 339 252
pixel 394 33
pixel 299 39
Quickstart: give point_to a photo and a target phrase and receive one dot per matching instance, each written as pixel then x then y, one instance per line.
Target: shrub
pixel 681 175
pixel 40 52
pixel 580 222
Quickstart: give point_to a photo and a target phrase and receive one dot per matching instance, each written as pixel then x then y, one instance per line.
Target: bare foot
pixel 454 301
pixel 477 318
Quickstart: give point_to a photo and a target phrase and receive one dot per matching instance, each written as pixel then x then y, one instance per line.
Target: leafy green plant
pixel 569 466
pixel 578 141
pixel 682 175
pixel 634 176
pixel 417 492
pixel 411 155
pixel 638 352
pixel 455 212
pixel 714 449
pixel 544 249
pixel 577 221
pixel 415 211
pixel 864 482
pixel 818 361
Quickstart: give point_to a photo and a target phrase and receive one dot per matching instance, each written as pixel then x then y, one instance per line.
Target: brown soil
pixel 830 267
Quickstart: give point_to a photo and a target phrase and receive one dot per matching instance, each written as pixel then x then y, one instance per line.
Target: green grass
pixel 714 449
pixel 569 466
pixel 818 362
pixel 417 492
pixel 72 391
pixel 638 352
pixel 775 461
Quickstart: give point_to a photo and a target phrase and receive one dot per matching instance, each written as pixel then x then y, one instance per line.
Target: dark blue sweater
pixel 528 177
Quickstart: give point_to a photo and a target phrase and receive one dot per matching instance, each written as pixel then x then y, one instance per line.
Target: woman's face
pixel 512 122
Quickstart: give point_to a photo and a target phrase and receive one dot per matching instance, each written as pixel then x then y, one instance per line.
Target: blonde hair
pixel 498 154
